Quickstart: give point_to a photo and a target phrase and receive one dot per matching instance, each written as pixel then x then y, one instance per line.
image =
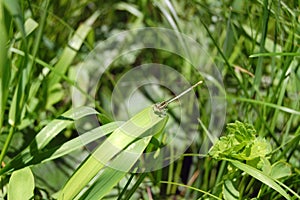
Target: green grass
pixel 254 44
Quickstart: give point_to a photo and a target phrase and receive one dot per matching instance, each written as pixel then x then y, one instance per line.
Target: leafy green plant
pixel 241 144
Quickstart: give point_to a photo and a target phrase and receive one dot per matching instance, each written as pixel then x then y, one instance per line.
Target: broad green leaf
pixel 280 169
pixel 21 185
pixel 80 141
pixel 57 174
pixel 131 8
pixel 265 165
pixel 57 125
pixel 259 148
pixel 28 158
pixel 56 94
pixel 143 124
pixel 46 135
pixel 110 177
pixel 105 182
pixel 259 175
pixel 229 191
pixel 30 26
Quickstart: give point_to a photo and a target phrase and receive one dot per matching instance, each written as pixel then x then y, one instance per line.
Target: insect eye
pixel 159 110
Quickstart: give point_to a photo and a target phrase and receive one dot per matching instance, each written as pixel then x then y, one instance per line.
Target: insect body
pixel 161 108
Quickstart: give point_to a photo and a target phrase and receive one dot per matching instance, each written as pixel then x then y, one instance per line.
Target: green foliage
pixel 229 191
pixel 254 44
pixel 38 151
pixel 269 181
pixel 21 184
pixel 123 141
pixel 241 142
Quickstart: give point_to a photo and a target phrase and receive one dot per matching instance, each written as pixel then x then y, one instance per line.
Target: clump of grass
pixel 255 45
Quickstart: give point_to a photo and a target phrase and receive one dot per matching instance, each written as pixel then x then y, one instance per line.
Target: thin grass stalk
pixel 36 46
pixel 258 70
pixel 135 186
pixel 177 174
pixel 5 70
pixel 170 173
pixel 15 110
pixel 7 142
pixel 224 58
pixel 126 187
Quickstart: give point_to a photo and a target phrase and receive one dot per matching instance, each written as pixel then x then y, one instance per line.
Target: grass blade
pixel 80 141
pixel 5 69
pixel 28 158
pixel 45 136
pixel 110 177
pixel 274 54
pixel 57 125
pixel 54 70
pixel 15 12
pixel 70 51
pixel 142 124
pixel 259 67
pixel 282 108
pixel 192 188
pixel 259 175
pixel 14 8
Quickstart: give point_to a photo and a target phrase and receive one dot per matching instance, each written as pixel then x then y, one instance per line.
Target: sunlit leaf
pixel 280 169
pixel 259 175
pixel 143 124
pixel 229 191
pixel 21 185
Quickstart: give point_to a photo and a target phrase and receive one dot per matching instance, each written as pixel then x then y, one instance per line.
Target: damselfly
pixel 161 107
